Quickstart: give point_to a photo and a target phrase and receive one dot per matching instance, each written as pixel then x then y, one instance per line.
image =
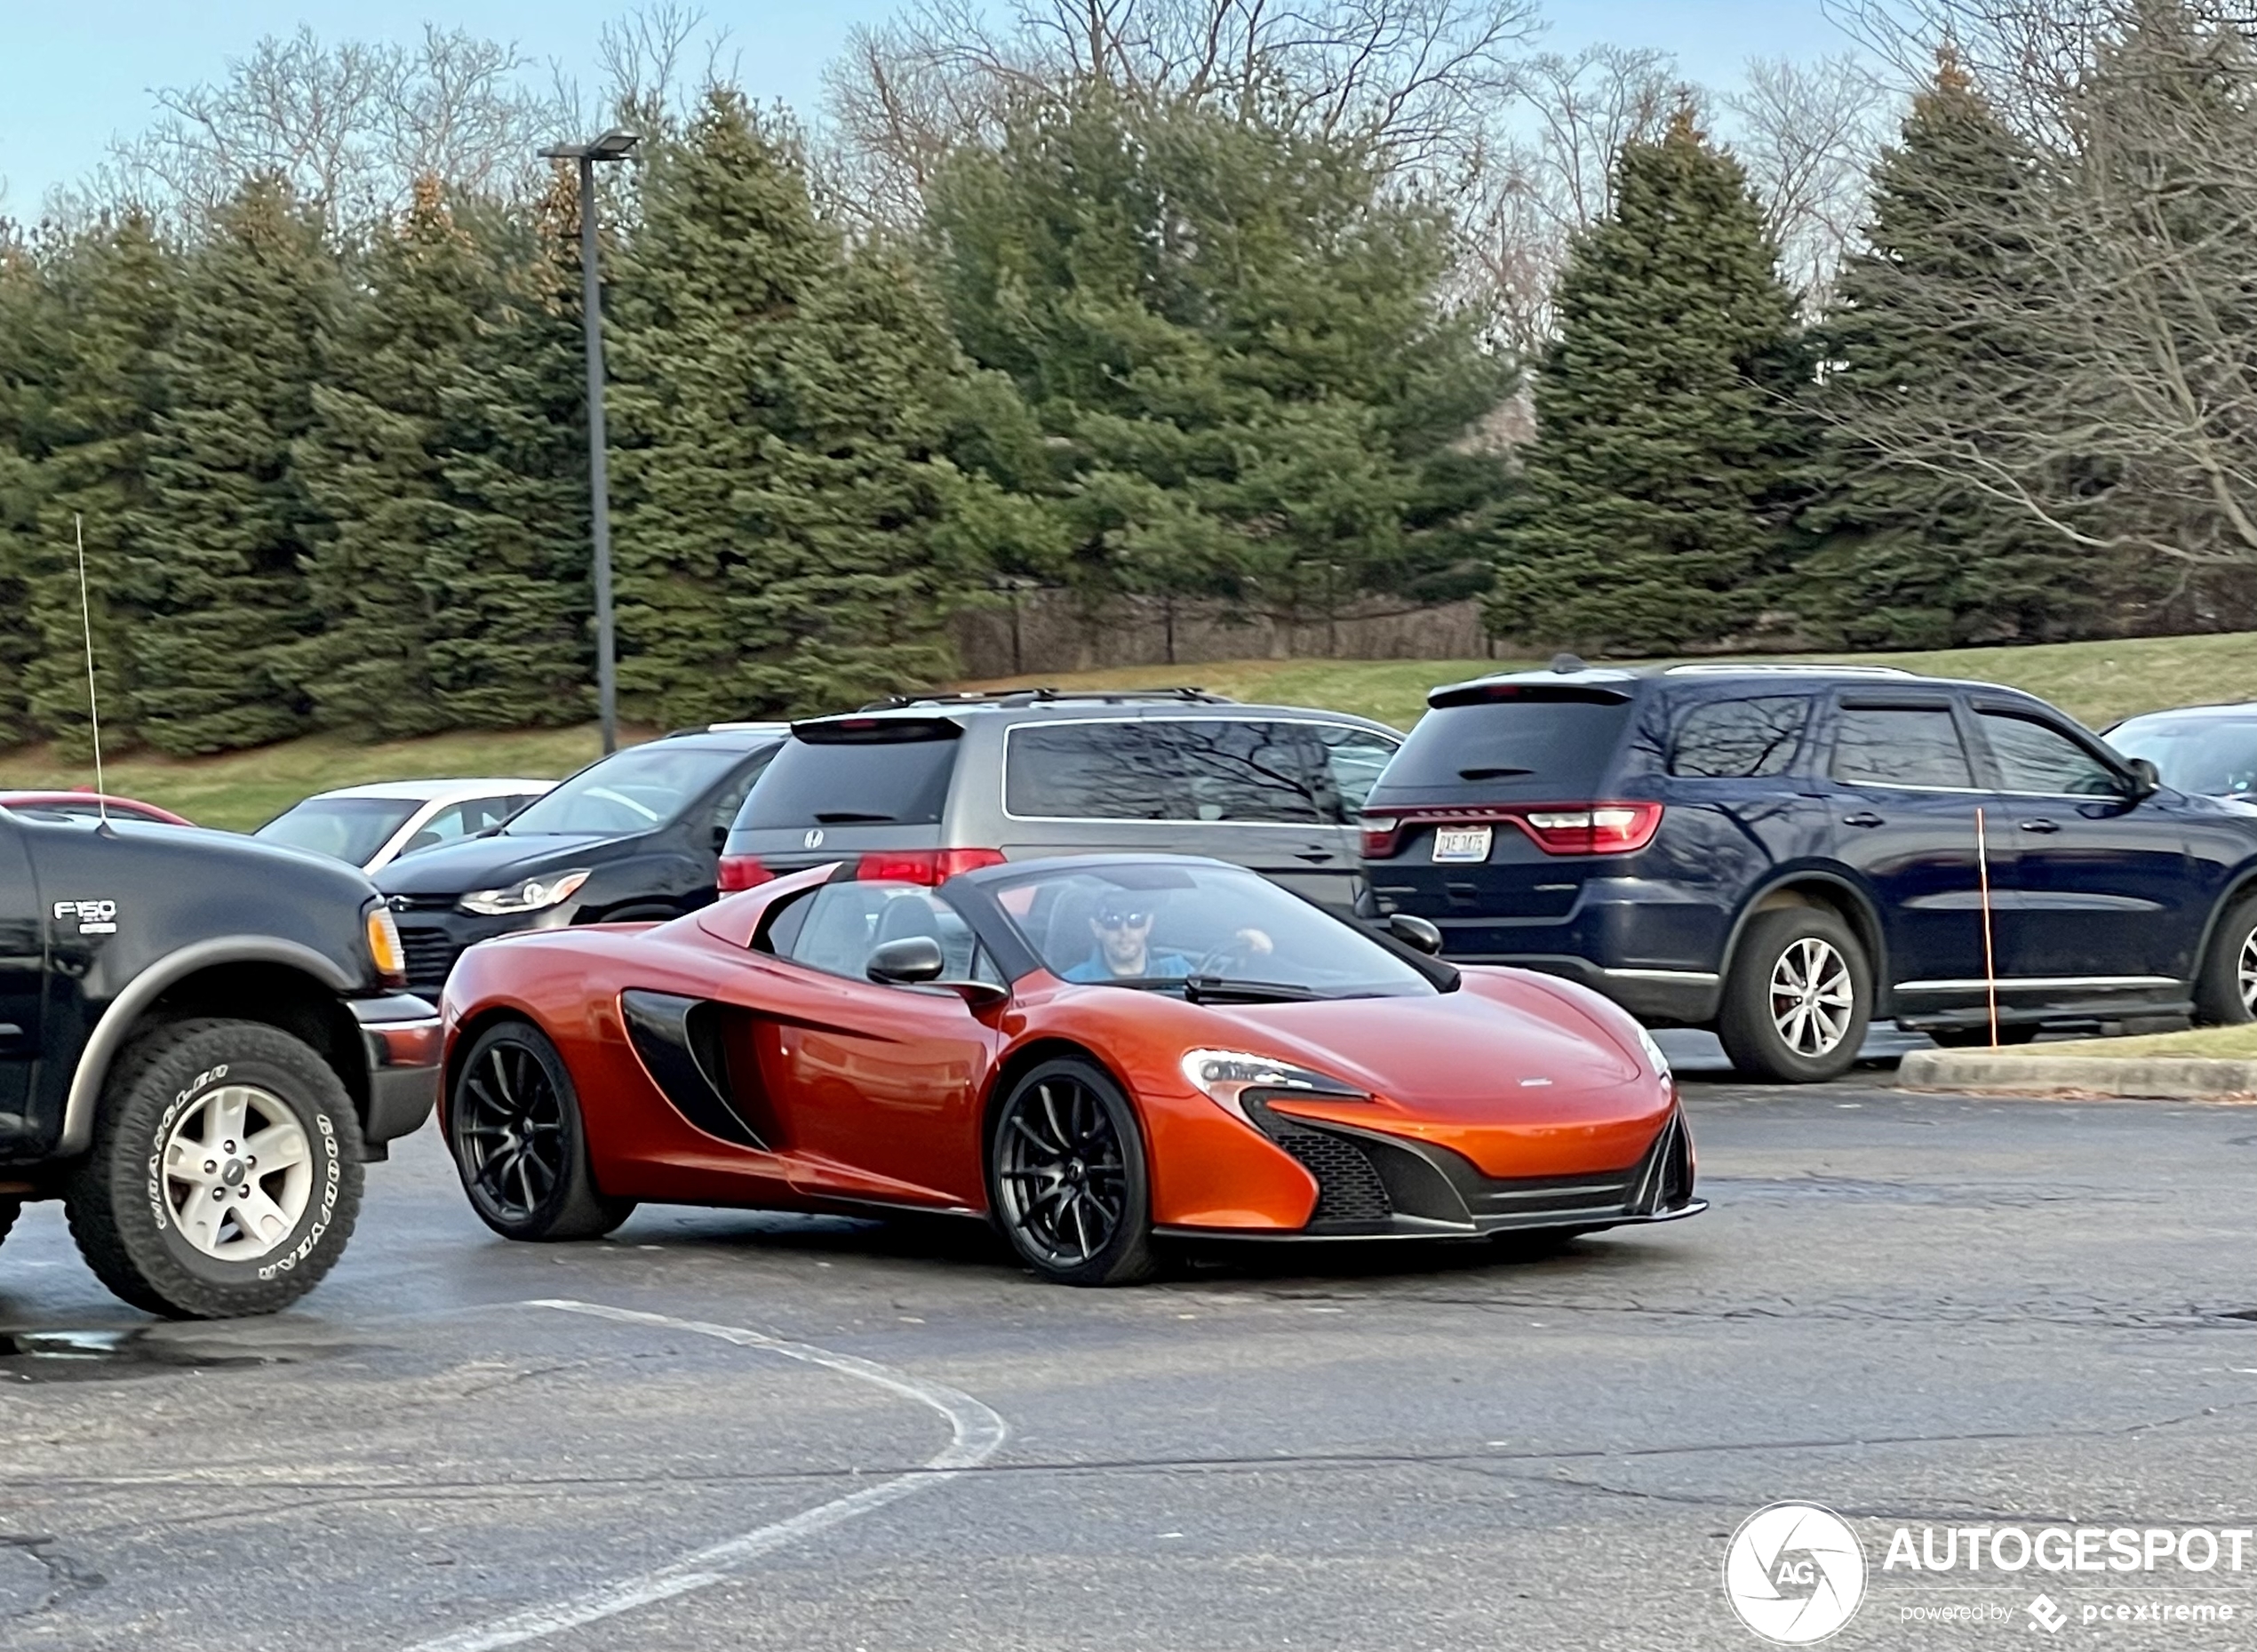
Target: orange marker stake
pixel 1990 964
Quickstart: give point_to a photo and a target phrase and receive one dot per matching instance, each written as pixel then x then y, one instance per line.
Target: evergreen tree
pixel 1922 315
pixel 228 521
pixel 779 489
pixel 1668 443
pixel 27 375
pixel 373 466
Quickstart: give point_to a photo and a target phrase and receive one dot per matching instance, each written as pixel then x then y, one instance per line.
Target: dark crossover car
pixel 926 788
pixel 1783 852
pixel 635 835
pixel 2209 749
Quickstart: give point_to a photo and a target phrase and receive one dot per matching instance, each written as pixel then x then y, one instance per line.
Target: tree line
pixel 1186 299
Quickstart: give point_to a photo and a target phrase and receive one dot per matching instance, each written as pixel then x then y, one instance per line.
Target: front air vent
pixel 1348 1185
pixel 681 1047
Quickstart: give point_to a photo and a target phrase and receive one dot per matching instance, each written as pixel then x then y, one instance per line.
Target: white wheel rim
pixel 1812 997
pixel 238 1173
pixel 2248 972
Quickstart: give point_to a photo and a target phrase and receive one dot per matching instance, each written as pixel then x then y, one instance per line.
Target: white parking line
pixel 975 1433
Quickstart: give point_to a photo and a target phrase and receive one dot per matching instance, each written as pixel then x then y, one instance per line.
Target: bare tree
pixel 1807 134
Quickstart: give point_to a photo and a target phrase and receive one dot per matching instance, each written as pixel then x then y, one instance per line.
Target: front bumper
pixel 1373 1186
pixel 403 1038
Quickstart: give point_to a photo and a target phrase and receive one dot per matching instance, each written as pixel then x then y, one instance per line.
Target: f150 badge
pixel 94 917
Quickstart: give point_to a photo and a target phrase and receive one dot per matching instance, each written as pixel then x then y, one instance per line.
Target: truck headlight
pixel 384 951
pixel 526 895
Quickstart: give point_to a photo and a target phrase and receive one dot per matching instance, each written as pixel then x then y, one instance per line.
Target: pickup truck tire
pixel 181 1115
pixel 513 1126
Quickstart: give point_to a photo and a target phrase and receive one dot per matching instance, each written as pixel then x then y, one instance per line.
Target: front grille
pixel 421 902
pixel 431 956
pixel 1348 1185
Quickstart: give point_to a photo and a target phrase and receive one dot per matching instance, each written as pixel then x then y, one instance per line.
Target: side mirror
pixel 1416 931
pixel 906 962
pixel 2147 779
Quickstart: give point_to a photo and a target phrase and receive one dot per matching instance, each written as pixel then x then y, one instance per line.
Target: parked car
pixel 633 836
pixel 922 788
pixel 1094 1052
pixel 370 826
pixel 92 804
pixel 202 1041
pixel 2207 749
pixel 1781 852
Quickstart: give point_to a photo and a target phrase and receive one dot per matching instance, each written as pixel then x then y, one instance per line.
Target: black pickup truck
pixel 202 1041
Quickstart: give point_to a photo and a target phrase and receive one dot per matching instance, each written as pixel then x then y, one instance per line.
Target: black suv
pixel 634 835
pixel 202 1041
pixel 1782 852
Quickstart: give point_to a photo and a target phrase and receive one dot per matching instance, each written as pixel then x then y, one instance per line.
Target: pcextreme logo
pixel 1794 1573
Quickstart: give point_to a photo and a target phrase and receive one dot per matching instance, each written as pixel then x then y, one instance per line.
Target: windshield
pixel 2211 755
pixel 636 790
pixel 1162 926
pixel 351 828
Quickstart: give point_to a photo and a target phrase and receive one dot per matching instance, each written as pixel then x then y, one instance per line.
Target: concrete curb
pixel 2166 1078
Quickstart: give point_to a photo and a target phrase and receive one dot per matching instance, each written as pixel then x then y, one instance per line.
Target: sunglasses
pixel 1129 920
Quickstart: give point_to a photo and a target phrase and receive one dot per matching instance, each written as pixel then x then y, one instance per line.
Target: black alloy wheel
pixel 514 1126
pixel 1066 1176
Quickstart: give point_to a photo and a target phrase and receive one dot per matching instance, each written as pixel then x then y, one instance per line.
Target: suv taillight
pixel 741 872
pixel 1601 829
pixel 929 866
pixel 1381 836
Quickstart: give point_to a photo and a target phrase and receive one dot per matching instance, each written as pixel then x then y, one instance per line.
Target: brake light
pixel 741 872
pixel 1601 829
pixel 1380 836
pixel 928 867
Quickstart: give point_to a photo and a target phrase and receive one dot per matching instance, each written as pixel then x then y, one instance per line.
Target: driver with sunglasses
pixel 1121 930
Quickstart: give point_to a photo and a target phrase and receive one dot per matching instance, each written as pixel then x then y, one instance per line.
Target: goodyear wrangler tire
pixel 225 1172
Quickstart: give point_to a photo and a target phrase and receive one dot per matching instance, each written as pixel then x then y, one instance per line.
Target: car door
pixel 1903 794
pixel 23 975
pixel 877 1087
pixel 2101 894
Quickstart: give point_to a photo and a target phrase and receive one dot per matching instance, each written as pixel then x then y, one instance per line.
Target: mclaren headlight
pixel 526 895
pixel 1654 1054
pixel 1224 1075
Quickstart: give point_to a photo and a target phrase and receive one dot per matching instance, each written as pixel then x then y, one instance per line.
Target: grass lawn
pixel 2097 681
pixel 2237 1043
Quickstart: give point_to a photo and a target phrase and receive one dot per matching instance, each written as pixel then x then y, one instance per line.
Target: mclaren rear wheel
pixel 1066 1176
pixel 513 1123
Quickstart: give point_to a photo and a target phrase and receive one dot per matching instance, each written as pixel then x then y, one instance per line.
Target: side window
pixel 837 928
pixel 1089 772
pixel 1899 746
pixel 1353 760
pixel 444 827
pixel 733 796
pixel 2032 757
pixel 1740 740
pixel 1241 771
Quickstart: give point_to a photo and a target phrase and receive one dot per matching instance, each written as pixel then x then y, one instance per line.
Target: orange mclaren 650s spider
pixel 1094 1052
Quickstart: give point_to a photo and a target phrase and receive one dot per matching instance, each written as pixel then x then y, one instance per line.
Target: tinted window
pixel 1353 760
pixel 837 927
pixel 2033 758
pixel 351 828
pixel 1559 747
pixel 1210 769
pixel 836 783
pixel 1740 740
pixel 1899 746
pixel 2217 755
pixel 636 790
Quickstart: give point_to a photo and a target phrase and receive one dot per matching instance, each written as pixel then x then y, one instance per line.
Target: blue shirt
pixel 1094 970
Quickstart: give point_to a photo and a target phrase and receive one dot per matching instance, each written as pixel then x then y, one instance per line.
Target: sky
pixel 73 72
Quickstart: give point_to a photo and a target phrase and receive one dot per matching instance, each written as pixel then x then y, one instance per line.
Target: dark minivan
pixel 1782 852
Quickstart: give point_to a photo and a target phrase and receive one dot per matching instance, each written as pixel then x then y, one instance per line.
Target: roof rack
pixel 1047 697
pixel 1787 667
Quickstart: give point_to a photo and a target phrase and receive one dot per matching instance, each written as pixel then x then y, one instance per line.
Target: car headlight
pixel 1653 1053
pixel 1224 1075
pixel 527 895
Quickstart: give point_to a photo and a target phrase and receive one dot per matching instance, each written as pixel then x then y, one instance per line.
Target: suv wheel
pixel 514 1122
pixel 1797 998
pixel 2225 990
pixel 225 1172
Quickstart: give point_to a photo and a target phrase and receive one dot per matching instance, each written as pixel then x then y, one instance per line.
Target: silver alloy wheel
pixel 238 1173
pixel 2246 969
pixel 1811 997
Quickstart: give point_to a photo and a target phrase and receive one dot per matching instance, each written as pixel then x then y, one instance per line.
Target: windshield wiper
pixel 839 816
pixel 1199 989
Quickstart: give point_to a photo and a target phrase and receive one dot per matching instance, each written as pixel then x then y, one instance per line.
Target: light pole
pixel 612 146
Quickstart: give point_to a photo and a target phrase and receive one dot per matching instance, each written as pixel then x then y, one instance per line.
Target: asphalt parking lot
pixel 826 1434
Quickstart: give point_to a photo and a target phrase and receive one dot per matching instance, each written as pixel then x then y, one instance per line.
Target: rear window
pixel 857 782
pixel 1210 769
pixel 1558 745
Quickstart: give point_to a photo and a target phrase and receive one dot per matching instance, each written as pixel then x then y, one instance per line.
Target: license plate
pixel 1462 843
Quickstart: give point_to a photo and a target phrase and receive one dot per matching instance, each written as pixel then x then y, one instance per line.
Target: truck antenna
pixel 93 713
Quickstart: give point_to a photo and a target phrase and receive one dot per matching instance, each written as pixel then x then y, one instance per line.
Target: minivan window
pixel 1562 746
pixel 853 783
pixel 1740 740
pixel 1900 745
pixel 1354 759
pixel 1211 768
pixel 2033 758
